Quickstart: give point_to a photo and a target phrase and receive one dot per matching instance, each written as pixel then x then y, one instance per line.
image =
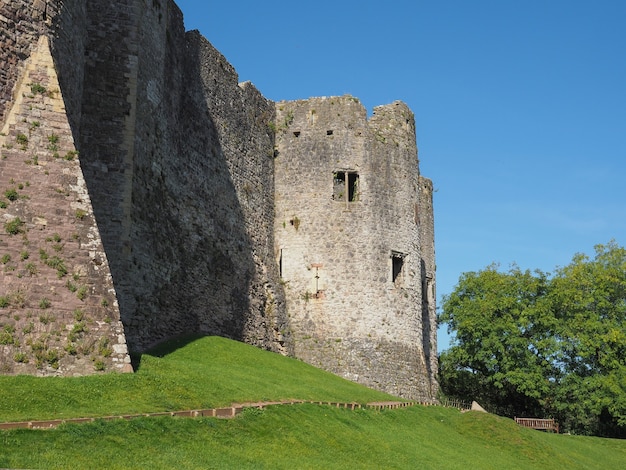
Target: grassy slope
pixel 213 371
pixel 205 373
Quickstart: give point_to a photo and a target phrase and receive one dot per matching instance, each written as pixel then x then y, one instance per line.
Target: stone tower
pixel 354 241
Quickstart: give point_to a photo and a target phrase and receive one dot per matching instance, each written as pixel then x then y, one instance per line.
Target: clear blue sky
pixel 520 107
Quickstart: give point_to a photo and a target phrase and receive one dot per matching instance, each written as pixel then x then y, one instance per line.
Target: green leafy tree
pixel 526 344
pixel 504 351
pixel 589 299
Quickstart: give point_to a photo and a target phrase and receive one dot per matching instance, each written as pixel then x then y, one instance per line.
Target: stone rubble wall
pixel 58 308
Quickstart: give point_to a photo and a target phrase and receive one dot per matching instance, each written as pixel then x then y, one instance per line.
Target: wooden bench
pixel 539 423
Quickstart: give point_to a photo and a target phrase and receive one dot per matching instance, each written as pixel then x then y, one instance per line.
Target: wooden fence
pixel 461 405
pixel 542 424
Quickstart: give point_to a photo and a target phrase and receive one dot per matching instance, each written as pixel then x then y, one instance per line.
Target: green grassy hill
pixel 212 372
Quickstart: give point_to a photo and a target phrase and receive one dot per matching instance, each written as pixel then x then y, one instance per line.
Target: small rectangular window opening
pixel 296 134
pixel 397 263
pixel 346 186
pixel 329 132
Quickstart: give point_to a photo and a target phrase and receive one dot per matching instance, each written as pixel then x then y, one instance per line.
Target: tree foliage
pixel 530 344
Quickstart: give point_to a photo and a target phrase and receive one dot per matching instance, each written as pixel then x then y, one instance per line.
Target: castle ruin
pixel 146 194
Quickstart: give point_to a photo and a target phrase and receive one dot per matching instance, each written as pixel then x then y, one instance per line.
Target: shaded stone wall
pixel 426 223
pixel 347 194
pixel 241 117
pixel 107 120
pixel 21 23
pixel 179 162
pixel 68 39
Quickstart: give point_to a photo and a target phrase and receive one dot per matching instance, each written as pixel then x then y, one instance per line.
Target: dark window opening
pixel 346 186
pixel 397 263
pixel 296 134
pixel 330 132
pixel 353 186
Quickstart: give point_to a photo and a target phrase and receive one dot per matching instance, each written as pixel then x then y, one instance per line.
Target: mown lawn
pixel 214 372
pixel 189 374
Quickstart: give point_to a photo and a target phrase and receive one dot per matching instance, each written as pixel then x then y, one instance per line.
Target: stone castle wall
pixel 179 162
pixel 425 220
pixel 159 123
pixel 21 23
pixel 185 135
pixel 58 307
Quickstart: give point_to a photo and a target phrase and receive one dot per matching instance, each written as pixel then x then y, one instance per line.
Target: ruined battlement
pixel 174 200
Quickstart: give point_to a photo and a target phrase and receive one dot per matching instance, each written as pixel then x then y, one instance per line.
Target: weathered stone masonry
pixel 59 308
pixel 348 198
pixel 184 195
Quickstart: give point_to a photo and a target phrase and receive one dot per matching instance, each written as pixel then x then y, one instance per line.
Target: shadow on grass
pixel 163 349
